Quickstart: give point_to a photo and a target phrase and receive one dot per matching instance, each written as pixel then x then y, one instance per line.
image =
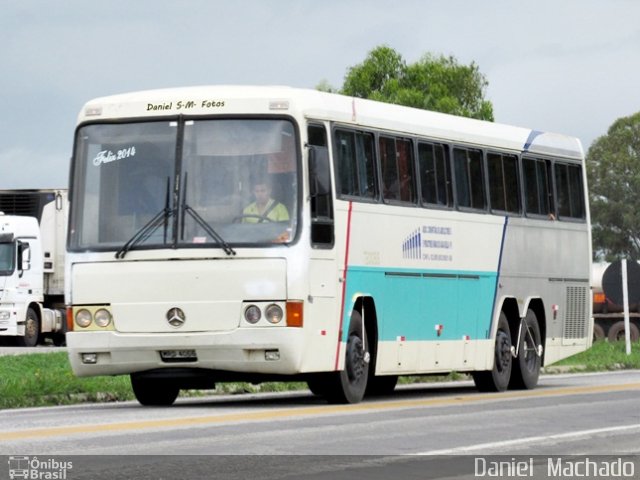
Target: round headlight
pixel 102 318
pixel 83 318
pixel 273 313
pixel 252 314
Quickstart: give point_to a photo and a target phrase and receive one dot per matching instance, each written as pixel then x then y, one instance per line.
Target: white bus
pixel 270 233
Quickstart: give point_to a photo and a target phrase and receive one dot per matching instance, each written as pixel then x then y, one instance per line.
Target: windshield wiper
pixel 202 222
pixel 161 218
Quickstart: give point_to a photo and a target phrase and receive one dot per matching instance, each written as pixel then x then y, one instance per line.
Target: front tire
pixel 497 379
pixel 31 330
pixel 153 391
pixel 350 384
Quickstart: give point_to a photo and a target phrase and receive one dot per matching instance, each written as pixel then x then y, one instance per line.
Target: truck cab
pixel 20 278
pixel 32 267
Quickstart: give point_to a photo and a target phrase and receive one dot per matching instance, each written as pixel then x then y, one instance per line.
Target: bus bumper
pixel 268 351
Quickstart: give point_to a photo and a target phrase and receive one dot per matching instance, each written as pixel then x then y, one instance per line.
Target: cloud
pixel 21 168
pixel 563 66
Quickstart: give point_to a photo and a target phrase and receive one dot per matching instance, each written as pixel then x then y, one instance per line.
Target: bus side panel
pixel 433 280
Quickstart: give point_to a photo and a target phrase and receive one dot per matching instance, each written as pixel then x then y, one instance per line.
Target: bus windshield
pixel 213 182
pixel 7 258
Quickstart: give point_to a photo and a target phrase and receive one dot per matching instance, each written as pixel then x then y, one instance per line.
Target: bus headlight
pixel 102 318
pixel 83 318
pixel 252 314
pixel 274 314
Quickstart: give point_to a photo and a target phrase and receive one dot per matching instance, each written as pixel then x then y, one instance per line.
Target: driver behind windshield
pixel 265 208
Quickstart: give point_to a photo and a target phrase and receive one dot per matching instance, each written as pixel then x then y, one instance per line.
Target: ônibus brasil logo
pixel 38 469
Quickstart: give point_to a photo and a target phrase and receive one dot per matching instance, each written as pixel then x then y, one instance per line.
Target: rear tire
pixel 526 368
pixel 598 332
pixel 31 330
pixel 154 391
pixel 349 385
pixel 616 332
pixel 497 379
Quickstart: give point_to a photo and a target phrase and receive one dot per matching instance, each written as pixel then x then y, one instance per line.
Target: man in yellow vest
pixel 265 208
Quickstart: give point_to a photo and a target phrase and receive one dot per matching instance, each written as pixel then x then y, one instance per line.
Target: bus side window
pixel 435 174
pixel 569 189
pixel 355 164
pixel 469 175
pixel 537 187
pixel 322 233
pixel 503 182
pixel 397 169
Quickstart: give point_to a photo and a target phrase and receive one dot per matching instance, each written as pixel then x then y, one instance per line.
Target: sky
pixel 567 66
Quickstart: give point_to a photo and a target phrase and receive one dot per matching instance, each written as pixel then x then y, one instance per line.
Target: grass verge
pixel 602 356
pixel 45 379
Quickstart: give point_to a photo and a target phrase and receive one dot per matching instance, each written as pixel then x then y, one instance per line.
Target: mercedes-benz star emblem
pixel 176 317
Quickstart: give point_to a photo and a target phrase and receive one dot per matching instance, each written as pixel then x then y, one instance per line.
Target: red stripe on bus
pixel 344 284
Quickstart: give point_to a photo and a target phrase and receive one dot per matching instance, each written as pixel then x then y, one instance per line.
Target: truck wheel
pixel 153 391
pixel 598 332
pixel 526 368
pixel 31 330
pixel 497 379
pixel 60 338
pixel 349 385
pixel 616 332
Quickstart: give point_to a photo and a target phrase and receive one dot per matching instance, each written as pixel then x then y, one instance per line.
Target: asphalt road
pixel 585 414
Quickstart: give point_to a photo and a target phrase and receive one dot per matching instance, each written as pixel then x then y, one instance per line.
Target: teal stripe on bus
pixel 410 303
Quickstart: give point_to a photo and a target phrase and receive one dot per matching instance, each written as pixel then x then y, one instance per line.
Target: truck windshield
pixel 7 258
pixel 223 182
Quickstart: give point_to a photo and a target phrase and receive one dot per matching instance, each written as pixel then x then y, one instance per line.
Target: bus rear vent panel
pixel 575 324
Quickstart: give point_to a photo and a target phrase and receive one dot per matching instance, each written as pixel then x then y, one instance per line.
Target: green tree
pixel 436 83
pixel 613 166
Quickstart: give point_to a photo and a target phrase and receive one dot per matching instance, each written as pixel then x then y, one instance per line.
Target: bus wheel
pixel 598 332
pixel 526 368
pixel 497 379
pixel 349 385
pixel 616 332
pixel 153 391
pixel 381 385
pixel 319 385
pixel 31 330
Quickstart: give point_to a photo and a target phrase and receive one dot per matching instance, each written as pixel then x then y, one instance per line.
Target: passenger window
pixel 469 177
pixel 435 174
pixel 570 191
pixel 503 182
pixel 537 186
pixel 397 169
pixel 356 166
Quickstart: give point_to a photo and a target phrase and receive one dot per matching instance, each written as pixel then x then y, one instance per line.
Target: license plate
pixel 178 355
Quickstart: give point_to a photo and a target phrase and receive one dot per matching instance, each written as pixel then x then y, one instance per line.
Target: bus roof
pixel 313 104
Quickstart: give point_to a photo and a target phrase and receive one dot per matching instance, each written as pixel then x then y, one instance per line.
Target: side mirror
pixel 319 171
pixel 24 256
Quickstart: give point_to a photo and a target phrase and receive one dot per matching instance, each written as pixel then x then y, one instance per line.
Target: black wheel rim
pixel 503 352
pixel 355 359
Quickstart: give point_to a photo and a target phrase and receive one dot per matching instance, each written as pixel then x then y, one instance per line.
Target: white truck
pixel 32 248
